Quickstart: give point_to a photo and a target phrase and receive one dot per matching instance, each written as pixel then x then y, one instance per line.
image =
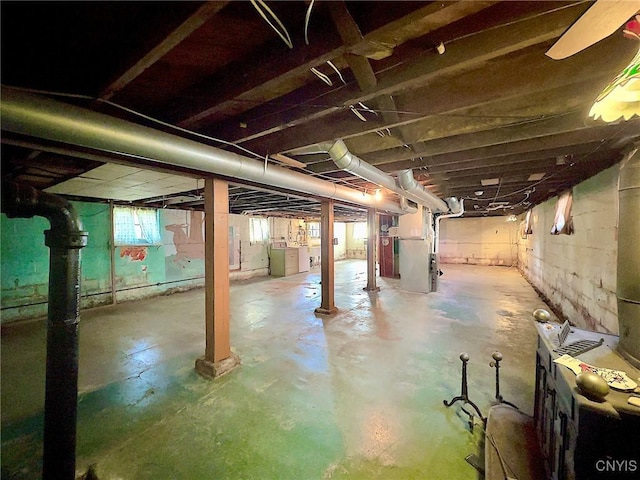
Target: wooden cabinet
pixel 284 261
pixel 581 438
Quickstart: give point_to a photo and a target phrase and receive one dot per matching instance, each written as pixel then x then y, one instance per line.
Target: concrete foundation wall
pixel 356 248
pixel 479 241
pixel 176 263
pixel 340 232
pixel 139 271
pixel 25 263
pixel 577 273
pixel 254 260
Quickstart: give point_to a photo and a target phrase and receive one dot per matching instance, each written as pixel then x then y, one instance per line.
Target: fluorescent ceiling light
pixel 534 177
pixel 489 181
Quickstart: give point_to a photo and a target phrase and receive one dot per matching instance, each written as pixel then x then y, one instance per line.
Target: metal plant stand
pixel 497 358
pixel 464 394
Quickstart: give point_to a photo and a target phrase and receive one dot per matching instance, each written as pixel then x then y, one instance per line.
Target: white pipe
pixel 413 191
pixel 43 118
pixel 436 240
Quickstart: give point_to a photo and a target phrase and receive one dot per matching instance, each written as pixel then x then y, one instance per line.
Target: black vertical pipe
pixel 64 239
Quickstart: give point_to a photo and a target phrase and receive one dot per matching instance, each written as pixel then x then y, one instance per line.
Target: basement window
pixel 136 226
pixel 527 224
pixel 314 229
pixel 563 222
pixel 258 230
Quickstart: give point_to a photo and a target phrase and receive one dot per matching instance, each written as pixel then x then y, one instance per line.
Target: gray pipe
pixel 628 288
pixel 64 239
pixel 40 117
pixel 412 187
pixel 347 161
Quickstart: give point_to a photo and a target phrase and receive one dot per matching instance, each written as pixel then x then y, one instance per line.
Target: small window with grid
pixel 136 226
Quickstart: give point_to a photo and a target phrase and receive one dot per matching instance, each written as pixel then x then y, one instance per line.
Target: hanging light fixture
pixel 621 98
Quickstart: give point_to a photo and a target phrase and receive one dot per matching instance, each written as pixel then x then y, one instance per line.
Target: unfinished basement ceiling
pixel 491 119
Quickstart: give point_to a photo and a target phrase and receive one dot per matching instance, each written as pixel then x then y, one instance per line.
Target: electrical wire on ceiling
pixel 493 208
pixel 524 119
pixel 367 109
pixel 357 113
pixel 330 63
pixel 306 22
pixel 364 108
pixel 322 76
pixel 498 189
pixel 531 187
pixel 325 78
pixel 283 33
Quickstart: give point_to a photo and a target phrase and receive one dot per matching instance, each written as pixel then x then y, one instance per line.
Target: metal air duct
pixel 409 184
pixel 41 117
pixel 347 161
pixel 457 213
pixel 64 239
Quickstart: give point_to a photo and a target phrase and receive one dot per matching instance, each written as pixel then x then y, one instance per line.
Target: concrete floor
pixel 357 395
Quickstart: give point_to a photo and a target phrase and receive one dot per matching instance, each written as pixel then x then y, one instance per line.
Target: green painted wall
pixel 96 260
pixel 175 263
pixel 140 271
pixel 25 262
pixel 25 266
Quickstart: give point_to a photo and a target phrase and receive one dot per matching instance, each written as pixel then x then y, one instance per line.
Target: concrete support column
pixel 326 249
pixel 218 358
pixel 372 234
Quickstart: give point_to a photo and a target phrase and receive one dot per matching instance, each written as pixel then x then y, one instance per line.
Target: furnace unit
pixel 418 266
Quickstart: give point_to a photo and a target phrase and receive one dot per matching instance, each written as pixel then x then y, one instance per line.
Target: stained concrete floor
pixel 356 395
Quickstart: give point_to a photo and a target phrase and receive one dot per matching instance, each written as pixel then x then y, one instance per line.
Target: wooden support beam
pixel 327 305
pixel 218 358
pixel 281 70
pixel 195 21
pixel 462 56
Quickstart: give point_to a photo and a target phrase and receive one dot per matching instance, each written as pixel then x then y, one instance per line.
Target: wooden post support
pixel 218 358
pixel 372 233
pixel 327 269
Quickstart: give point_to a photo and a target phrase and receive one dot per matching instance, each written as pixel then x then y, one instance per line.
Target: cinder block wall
pixel 577 273
pixel 355 248
pixel 479 241
pixel 139 271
